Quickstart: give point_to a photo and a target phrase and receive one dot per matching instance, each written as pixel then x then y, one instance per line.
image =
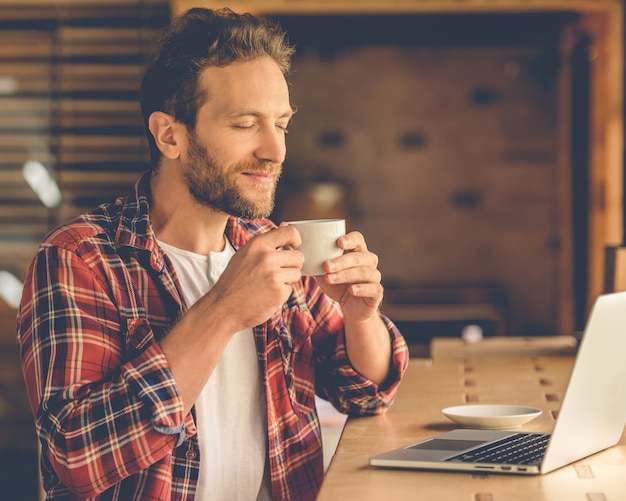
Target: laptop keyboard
pixel 523 448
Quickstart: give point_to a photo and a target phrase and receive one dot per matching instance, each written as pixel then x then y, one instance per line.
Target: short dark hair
pixel 194 41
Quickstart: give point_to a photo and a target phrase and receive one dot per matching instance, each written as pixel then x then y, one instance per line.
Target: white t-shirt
pixel 231 410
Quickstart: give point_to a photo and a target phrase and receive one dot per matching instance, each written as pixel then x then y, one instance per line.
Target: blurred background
pixel 477 145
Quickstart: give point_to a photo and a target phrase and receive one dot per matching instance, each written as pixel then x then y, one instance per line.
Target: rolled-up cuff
pixel 173 430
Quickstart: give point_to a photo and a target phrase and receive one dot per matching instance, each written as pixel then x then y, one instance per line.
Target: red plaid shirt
pixel 98 297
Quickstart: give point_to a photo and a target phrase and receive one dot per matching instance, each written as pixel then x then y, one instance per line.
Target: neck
pixel 177 219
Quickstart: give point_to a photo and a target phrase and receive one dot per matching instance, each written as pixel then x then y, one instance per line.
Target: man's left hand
pixel 353 279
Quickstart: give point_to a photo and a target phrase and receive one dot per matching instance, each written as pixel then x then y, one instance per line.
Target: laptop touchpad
pixel 438 444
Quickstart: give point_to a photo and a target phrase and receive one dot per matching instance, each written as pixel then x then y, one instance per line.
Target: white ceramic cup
pixel 319 242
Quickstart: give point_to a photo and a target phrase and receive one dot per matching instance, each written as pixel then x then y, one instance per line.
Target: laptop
pixel 591 418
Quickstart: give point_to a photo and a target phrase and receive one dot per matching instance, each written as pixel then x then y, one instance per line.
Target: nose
pixel 271 146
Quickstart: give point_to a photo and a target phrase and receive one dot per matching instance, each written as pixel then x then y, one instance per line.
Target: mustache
pixel 260 167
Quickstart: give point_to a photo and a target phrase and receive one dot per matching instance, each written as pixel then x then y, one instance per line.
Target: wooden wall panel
pixel 449 191
pixel 603 21
pixel 69 78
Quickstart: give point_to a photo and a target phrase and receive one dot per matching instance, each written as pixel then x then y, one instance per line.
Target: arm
pixel 336 378
pixel 369 348
pixel 255 284
pixel 92 377
pixel 352 372
pixel 353 280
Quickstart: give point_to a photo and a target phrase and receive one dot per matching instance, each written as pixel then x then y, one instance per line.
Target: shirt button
pixel 190 454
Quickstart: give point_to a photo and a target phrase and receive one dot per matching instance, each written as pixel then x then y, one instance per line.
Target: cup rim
pixel 315 221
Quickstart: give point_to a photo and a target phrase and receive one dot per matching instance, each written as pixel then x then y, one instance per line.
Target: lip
pixel 260 177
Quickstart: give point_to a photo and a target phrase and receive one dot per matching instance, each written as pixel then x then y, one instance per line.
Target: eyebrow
pixel 252 113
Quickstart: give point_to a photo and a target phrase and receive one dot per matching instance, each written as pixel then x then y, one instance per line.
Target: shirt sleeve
pixel 336 379
pixel 104 399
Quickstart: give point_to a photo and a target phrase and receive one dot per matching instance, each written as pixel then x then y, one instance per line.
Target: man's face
pixel 234 157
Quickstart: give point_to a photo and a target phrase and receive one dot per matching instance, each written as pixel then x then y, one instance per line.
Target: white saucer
pixel 491 417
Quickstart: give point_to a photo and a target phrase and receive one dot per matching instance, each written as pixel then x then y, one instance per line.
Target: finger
pixel 371 290
pixel 353 241
pixel 281 237
pixel 355 259
pixel 287 277
pixel 289 258
pixel 360 275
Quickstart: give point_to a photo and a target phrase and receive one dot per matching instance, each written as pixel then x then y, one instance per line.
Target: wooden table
pixel 520 371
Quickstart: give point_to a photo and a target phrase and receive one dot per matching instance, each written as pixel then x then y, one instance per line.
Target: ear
pixel 165 129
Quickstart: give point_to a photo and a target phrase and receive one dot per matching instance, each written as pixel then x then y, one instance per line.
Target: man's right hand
pixel 258 278
pixel 257 281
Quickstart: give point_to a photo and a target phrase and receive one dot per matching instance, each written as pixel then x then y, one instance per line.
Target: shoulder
pixel 97 227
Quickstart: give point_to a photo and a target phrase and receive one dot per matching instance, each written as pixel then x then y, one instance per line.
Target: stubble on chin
pixel 262 208
pixel 225 195
pixel 219 188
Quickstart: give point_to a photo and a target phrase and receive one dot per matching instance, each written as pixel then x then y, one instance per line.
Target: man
pixel 170 346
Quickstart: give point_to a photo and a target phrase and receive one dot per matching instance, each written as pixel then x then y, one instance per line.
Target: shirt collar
pixel 135 230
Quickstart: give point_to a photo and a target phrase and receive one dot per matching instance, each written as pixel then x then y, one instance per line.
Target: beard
pixel 214 186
